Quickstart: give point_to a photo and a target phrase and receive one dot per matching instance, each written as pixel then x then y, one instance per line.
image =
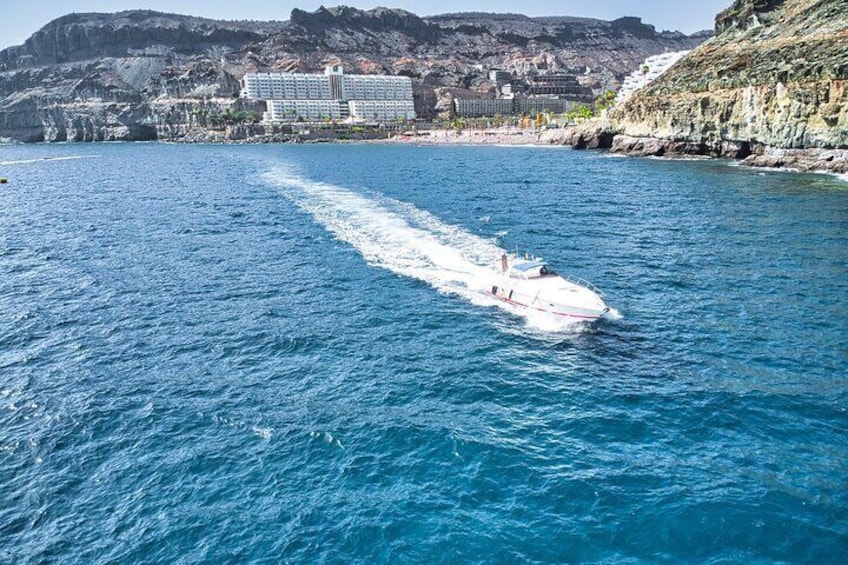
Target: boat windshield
pixel 529 266
pixel 533 269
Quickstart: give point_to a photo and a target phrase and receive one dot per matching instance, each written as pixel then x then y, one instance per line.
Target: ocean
pixel 286 354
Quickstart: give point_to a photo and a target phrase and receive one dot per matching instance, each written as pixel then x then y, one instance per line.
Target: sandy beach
pixel 496 136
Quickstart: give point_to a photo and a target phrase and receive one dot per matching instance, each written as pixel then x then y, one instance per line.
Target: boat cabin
pixel 531 270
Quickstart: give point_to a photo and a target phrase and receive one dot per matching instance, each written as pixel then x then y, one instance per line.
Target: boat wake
pixel 44 160
pixel 408 241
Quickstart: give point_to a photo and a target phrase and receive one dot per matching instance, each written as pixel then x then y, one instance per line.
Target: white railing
pixel 584 283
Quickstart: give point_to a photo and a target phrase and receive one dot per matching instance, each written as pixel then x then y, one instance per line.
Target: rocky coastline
pixel 810 159
pixel 597 134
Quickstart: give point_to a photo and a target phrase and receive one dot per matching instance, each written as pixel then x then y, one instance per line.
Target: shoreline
pixel 589 135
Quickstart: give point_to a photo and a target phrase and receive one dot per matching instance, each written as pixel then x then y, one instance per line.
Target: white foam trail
pixel 44 159
pixel 406 240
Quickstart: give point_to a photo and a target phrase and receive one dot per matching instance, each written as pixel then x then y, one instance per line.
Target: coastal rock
pixel 774 76
pixel 815 159
pixel 639 146
pixel 655 147
pixel 591 134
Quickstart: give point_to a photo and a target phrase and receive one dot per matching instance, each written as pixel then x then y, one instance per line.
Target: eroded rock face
pixel 775 76
pixel 97 122
pixel 78 37
pixel 115 76
pixel 113 99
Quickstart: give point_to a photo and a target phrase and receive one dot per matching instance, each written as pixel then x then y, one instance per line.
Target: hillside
pixel 148 75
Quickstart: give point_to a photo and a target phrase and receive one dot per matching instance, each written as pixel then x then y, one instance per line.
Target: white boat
pixel 533 285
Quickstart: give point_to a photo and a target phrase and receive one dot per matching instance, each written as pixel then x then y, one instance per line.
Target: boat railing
pixel 584 283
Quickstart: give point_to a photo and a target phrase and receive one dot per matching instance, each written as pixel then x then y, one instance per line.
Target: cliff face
pixel 775 76
pixel 78 37
pixel 118 76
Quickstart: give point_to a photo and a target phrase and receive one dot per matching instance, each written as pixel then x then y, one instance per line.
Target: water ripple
pixel 251 355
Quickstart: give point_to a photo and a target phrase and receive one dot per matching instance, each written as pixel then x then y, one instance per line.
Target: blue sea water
pixel 283 354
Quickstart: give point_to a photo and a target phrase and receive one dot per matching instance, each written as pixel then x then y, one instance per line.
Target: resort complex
pixel 556 93
pixel 333 95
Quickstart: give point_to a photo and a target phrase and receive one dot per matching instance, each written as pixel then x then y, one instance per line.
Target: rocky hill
pixel 148 75
pixel 773 79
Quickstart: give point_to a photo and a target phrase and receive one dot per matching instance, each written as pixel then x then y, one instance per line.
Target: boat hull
pixel 520 298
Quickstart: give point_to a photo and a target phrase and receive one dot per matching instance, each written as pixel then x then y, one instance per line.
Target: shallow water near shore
pixel 285 353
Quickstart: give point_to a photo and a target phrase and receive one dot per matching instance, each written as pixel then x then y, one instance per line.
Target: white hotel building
pixel 332 95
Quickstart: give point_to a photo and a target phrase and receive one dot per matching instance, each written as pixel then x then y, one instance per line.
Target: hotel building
pixel 332 95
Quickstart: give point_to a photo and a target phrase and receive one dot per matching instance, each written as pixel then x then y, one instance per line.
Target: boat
pixel 532 284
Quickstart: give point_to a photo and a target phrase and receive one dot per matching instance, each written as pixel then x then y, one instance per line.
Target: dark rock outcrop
pixel 591 134
pixel 378 20
pixel 743 15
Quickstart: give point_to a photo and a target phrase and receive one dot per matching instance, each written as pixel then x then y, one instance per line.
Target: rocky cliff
pixel 147 75
pixel 772 80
